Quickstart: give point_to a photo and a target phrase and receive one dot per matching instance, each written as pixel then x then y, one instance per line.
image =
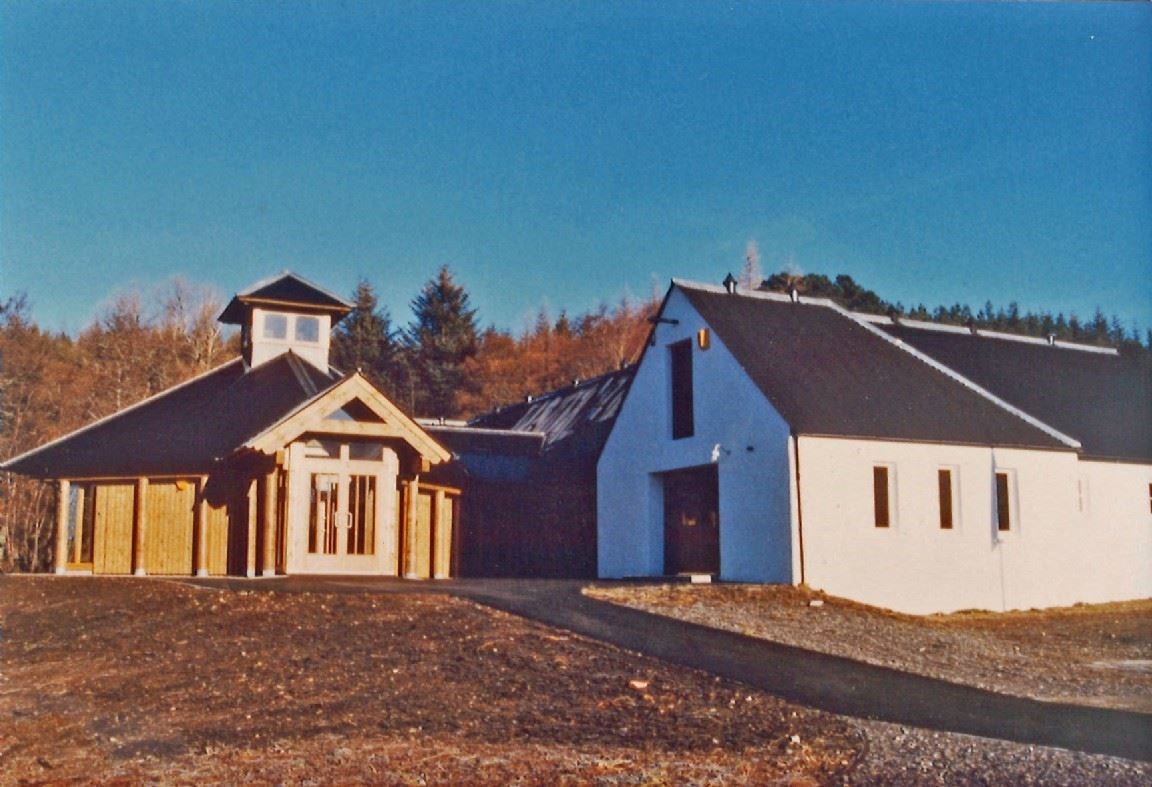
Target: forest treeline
pixel 440 363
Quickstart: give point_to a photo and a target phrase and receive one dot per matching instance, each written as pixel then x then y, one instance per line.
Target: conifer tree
pixel 365 341
pixel 440 339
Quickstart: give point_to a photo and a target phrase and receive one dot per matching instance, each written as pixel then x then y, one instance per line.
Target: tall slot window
pixel 944 491
pixel 1003 502
pixel 683 422
pixel 881 496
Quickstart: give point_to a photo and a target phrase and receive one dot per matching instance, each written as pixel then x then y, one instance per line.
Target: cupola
pixel 285 312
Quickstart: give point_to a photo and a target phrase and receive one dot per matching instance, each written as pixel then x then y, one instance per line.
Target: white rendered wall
pixel 1053 555
pixel 1115 558
pixel 264 349
pixel 753 465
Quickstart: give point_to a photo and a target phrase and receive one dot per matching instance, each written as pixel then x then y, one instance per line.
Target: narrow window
pixel 275 326
pixel 1150 497
pixel 682 417
pixel 880 497
pixel 307 329
pixel 1003 503
pixel 944 486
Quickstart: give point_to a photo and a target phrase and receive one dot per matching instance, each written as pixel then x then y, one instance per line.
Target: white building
pixel 913 466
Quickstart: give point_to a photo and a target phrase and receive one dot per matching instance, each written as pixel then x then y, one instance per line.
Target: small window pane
pixel 880 496
pixel 275 326
pixel 307 329
pixel 944 482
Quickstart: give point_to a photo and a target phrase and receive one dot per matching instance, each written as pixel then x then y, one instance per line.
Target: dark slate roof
pixel 575 420
pixel 1104 401
pixel 185 429
pixel 286 288
pixel 827 374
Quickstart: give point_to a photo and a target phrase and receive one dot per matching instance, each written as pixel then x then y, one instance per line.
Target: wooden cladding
pixel 113 524
pixel 121 527
pixel 169 520
pixel 428 522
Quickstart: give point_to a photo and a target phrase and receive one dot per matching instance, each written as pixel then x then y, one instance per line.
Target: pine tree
pixel 365 341
pixel 438 342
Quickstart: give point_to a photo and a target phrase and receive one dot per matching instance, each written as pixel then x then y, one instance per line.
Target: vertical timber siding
pixel 216 536
pixel 115 511
pixel 442 548
pixel 170 519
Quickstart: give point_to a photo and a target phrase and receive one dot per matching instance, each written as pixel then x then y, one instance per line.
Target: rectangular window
pixel 944 489
pixel 275 326
pixel 308 329
pixel 683 424
pixel 1003 503
pixel 881 501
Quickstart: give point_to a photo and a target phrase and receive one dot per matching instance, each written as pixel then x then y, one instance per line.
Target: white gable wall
pixel 1053 555
pixel 729 411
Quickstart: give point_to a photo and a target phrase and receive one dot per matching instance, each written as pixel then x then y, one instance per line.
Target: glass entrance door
pixel 342 514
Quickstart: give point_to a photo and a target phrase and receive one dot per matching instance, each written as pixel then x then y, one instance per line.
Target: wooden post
pixel 270 524
pixel 62 527
pixel 250 561
pixel 201 528
pixel 411 527
pixel 139 525
pixel 436 536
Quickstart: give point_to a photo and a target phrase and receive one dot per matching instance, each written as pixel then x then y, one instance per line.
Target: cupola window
pixel 275 326
pixel 307 329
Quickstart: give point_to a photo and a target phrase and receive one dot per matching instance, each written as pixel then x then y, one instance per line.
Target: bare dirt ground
pixel 128 681
pixel 1089 655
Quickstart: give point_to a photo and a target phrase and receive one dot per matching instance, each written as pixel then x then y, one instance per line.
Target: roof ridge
pixel 123 411
pixel 924 325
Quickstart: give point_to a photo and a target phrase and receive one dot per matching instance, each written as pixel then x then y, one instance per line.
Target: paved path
pixel 817 680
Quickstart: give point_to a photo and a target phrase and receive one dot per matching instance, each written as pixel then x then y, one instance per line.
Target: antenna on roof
pixel 730 284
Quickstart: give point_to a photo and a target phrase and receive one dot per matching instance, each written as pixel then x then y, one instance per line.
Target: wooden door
pixel 692 521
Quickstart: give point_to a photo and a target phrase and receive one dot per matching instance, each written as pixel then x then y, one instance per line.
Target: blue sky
pixel 567 153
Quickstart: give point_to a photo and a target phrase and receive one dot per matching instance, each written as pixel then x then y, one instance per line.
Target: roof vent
pixel 971 325
pixel 730 284
pixel 1052 340
pixel 794 294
